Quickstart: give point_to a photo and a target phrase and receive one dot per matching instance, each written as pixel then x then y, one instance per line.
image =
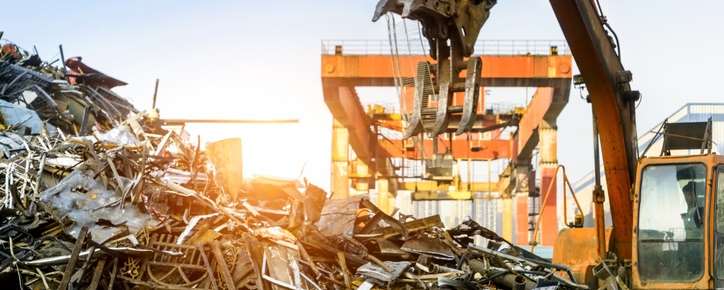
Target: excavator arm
pixel 613 104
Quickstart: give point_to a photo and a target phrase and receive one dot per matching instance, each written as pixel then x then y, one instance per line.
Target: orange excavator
pixel 667 228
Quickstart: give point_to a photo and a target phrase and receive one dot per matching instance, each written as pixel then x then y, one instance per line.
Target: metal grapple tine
pixel 472 92
pixel 442 117
pixel 422 92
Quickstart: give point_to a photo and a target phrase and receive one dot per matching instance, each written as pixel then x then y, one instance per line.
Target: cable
pixel 396 59
pixel 604 21
pixel 407 37
pixel 403 107
pixel 392 52
pixel 419 32
pixel 608 27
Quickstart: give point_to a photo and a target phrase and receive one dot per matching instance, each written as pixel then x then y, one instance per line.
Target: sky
pixel 261 59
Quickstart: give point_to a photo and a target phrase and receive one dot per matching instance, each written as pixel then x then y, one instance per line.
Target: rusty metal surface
pixel 82 73
pixel 577 248
pixel 338 217
pixel 459 21
pixel 428 246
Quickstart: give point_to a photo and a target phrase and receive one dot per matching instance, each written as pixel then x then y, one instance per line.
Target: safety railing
pixel 502 108
pixel 415 46
pixel 578 217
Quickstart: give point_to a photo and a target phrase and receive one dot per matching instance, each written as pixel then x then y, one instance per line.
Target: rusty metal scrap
pixel 97 194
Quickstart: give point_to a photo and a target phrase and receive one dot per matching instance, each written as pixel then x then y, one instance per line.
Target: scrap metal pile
pixel 95 194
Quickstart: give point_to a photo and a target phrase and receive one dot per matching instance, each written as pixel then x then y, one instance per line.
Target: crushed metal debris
pixel 98 194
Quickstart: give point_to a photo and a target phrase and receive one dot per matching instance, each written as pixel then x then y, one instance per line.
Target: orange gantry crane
pixel 347 65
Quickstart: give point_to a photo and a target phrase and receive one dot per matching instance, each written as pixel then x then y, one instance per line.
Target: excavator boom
pixel 613 104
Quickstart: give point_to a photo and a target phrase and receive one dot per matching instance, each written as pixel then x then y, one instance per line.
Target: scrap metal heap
pixel 98 193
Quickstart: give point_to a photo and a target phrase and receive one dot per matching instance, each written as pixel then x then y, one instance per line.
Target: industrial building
pixel 649 139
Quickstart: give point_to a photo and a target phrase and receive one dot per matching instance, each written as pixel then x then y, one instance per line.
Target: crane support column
pixel 340 163
pixel 507 217
pixel 521 198
pixel 521 218
pixel 385 199
pixel 548 162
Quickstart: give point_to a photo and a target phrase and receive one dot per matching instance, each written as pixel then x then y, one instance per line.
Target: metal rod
pixel 84 122
pixel 567 182
pixel 490 175
pixel 596 157
pixel 598 196
pixel 97 275
pixel 155 94
pixel 219 257
pixel 565 202
pixel 470 165
pixel 73 258
pixel 62 59
pixel 656 136
pixel 179 122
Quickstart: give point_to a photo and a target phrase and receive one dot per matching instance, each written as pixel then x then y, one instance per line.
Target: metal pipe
pixel 520 283
pixel 62 60
pixel 515 281
pixel 567 187
pixel 598 196
pixel 567 183
pixel 155 95
pixel 59 260
pixel 534 240
pixel 179 122
pixel 565 203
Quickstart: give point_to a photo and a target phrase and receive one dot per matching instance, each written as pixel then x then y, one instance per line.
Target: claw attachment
pixel 472 93
pixel 451 28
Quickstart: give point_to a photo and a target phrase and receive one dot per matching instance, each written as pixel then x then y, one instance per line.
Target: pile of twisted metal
pixel 96 193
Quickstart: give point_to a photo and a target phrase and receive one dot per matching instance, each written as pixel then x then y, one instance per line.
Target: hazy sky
pixel 260 59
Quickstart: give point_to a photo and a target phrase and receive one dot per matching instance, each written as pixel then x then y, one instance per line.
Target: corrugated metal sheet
pixel 487 212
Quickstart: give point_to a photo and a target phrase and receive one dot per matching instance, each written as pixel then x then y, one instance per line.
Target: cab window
pixel 671 222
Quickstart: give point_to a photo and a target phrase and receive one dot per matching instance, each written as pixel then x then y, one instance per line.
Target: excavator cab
pixel 675 211
pixel 678 218
pixel 678 235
